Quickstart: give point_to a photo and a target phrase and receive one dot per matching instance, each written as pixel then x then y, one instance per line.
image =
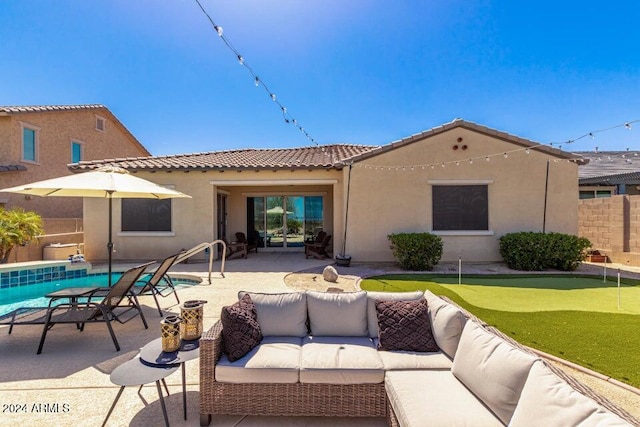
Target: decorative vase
pixel 191 325
pixel 170 332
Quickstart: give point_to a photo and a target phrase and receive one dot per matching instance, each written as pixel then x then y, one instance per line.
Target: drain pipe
pixel 343 259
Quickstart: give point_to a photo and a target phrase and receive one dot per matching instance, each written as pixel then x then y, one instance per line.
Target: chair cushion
pixel 281 314
pixel 275 360
pixel 494 370
pixel 434 398
pixel 447 322
pixel 338 314
pixel 372 297
pixel 340 360
pixel 240 328
pixel 405 326
pixel 551 401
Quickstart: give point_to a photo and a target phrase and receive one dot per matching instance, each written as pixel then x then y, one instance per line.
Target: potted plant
pixel 17 227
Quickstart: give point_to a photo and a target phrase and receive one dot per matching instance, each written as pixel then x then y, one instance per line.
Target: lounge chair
pixel 317 250
pixel 159 283
pixel 117 302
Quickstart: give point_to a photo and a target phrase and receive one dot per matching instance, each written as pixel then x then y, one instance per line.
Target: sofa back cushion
pixel 372 297
pixel 563 405
pixel 494 370
pixel 283 315
pixel 337 314
pixel 447 323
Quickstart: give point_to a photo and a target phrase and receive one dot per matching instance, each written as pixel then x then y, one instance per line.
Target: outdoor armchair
pixel 117 302
pixel 317 250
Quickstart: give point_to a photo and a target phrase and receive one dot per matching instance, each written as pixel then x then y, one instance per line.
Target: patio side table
pixel 152 355
pixel 134 372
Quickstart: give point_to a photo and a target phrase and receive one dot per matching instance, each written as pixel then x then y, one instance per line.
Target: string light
pixel 527 150
pixel 288 118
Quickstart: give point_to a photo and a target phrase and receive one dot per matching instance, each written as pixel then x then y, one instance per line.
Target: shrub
pixel 533 251
pixel 17 227
pixel 416 251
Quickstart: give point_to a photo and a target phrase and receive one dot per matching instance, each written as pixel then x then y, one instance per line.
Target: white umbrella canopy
pixel 107 182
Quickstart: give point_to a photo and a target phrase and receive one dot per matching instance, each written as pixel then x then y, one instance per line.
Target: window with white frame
pixel 76 151
pixel 460 207
pixel 146 215
pixel 30 136
pixel 101 123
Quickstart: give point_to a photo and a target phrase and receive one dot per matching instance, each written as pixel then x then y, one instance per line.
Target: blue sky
pixel 357 71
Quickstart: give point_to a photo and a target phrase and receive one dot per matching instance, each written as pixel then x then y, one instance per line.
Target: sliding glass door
pixel 284 221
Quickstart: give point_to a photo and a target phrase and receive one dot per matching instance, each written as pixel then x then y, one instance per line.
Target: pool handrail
pixel 203 247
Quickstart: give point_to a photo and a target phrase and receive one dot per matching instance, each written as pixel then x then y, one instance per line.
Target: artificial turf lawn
pixel 573 317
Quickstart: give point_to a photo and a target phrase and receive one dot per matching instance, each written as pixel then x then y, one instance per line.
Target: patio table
pixel 152 355
pixel 72 293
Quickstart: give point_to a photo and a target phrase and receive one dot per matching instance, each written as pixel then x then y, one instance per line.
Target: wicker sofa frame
pixel 327 400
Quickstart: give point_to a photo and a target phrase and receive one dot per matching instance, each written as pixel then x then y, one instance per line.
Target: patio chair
pixel 235 249
pixel 317 250
pixel 117 302
pixel 251 244
pixel 159 283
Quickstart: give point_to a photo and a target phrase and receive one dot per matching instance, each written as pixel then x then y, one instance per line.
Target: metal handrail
pixel 202 247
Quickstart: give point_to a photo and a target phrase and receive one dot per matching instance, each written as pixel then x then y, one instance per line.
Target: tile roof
pixel 622 178
pixel 44 108
pixel 605 163
pixel 314 157
pixel 12 168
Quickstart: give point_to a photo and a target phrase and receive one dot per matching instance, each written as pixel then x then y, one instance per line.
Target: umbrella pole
pixel 109 242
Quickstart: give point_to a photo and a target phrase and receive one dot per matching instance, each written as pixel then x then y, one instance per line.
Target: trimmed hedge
pixel 532 251
pixel 416 251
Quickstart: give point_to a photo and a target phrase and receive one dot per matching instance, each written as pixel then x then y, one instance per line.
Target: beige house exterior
pixel 466 182
pixel 39 142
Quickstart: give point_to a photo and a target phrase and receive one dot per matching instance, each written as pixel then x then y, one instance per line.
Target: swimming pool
pixel 32 295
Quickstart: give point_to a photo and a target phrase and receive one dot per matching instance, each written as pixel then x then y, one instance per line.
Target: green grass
pixel 573 317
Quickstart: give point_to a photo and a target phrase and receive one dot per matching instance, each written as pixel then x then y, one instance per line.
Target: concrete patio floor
pixel 68 384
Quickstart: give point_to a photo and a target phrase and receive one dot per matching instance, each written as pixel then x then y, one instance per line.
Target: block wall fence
pixel 612 225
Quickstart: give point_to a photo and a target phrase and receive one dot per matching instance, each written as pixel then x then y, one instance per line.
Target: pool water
pixel 33 295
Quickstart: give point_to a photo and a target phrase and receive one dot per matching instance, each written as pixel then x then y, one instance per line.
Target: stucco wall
pixel 194 220
pixel 57 130
pixel 386 201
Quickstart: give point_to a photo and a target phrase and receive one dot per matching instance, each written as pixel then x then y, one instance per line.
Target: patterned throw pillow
pixel 405 325
pixel 240 328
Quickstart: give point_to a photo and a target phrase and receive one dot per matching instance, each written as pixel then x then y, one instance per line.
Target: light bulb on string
pixel 470 161
pixel 442 164
pixel 273 96
pixel 592 135
pixel 457 163
pixel 506 156
pixel 256 81
pixel 527 151
pixel 219 30
pixel 240 60
pixel 487 158
pixel 433 166
pixel 627 126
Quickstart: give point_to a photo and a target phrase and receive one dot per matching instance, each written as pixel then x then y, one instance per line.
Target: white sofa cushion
pixel 340 360
pixel 280 314
pixel 275 360
pixel 548 400
pixel 447 322
pixel 407 360
pixel 434 398
pixel 492 369
pixel 372 297
pixel 341 314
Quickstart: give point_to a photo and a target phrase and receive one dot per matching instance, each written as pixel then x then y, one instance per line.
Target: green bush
pixel 416 251
pixel 531 251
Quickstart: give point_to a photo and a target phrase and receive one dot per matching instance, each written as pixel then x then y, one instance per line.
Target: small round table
pixel 153 356
pixel 135 372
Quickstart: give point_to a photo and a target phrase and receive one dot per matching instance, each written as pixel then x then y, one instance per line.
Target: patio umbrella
pixel 107 182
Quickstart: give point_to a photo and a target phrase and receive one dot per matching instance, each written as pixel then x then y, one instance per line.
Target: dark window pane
pixel 146 215
pixel 460 207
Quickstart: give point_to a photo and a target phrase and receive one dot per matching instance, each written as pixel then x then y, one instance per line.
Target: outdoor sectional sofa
pixel 319 357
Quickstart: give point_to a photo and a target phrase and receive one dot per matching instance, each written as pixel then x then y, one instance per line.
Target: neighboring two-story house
pixel 38 142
